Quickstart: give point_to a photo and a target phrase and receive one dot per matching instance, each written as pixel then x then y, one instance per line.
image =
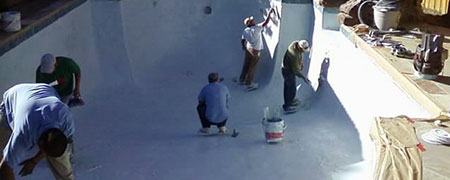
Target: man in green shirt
pixel 292 66
pixel 59 72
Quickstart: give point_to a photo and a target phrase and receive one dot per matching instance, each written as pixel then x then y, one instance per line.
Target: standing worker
pixel 252 44
pixel 59 72
pixel 292 66
pixel 35 124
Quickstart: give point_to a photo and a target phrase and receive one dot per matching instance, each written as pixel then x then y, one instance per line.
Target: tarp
pixel 398 156
pixel 401 155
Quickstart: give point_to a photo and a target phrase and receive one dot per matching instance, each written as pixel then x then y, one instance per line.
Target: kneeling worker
pixel 213 104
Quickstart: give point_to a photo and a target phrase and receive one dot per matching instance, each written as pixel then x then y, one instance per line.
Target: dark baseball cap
pixel 213 77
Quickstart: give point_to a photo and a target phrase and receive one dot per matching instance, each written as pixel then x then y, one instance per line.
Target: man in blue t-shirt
pixel 34 124
pixel 213 104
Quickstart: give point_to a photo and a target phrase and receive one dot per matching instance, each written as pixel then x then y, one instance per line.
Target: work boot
pixel 290 108
pixel 295 102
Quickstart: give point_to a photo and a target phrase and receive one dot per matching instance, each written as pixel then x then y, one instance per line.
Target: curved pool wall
pixel 144 62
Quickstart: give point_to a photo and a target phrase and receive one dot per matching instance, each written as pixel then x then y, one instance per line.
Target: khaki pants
pixel 60 167
pixel 252 57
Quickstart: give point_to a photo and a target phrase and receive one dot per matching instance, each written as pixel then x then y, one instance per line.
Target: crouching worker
pixel 35 124
pixel 59 72
pixel 213 105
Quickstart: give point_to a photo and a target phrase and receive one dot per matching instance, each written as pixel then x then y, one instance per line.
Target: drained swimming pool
pixel 144 62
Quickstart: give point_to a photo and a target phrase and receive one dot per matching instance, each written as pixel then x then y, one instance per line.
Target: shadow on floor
pixel 327 130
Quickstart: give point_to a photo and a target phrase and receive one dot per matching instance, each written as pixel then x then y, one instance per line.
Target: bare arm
pixel 6 172
pixel 266 21
pixel 243 44
pixel 28 165
pixel 298 64
pixel 76 92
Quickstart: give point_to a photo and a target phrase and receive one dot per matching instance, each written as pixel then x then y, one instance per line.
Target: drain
pixel 207 10
pixel 155 3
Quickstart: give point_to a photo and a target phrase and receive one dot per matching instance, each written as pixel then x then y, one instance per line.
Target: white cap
pixel 304 45
pixel 47 63
pixel 248 20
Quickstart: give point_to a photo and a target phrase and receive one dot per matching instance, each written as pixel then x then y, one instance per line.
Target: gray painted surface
pixel 330 20
pixel 328 16
pixel 112 56
pixel 297 23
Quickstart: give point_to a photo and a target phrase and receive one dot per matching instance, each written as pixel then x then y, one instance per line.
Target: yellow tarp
pixel 435 7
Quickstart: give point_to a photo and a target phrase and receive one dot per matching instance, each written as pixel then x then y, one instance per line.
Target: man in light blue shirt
pixel 35 124
pixel 213 104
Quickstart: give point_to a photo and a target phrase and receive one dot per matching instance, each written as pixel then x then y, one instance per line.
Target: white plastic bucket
pixel 386 18
pixel 10 21
pixel 274 130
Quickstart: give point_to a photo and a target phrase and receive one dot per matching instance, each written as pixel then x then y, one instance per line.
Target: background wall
pixel 70 36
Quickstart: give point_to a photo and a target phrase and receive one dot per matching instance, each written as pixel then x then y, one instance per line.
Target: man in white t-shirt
pixel 35 124
pixel 252 44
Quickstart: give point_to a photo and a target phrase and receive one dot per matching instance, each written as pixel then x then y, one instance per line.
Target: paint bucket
pixel 386 17
pixel 10 21
pixel 273 130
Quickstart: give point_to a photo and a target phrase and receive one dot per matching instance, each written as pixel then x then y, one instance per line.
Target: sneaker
pixel 222 129
pixel 237 80
pixel 253 86
pixel 203 131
